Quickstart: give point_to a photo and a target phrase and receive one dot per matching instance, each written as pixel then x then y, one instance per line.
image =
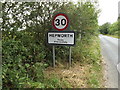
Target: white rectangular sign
pixel 61 38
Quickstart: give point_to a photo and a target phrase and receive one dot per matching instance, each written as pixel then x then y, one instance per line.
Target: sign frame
pixel 52 44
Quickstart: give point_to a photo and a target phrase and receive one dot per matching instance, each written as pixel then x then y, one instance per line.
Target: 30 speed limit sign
pixel 60 22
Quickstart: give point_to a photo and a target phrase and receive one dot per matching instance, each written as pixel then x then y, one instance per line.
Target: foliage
pixel 104 29
pixel 85 52
pixel 113 29
pixel 119 27
pixel 19 62
pixel 95 76
pixel 110 29
pixel 90 57
pixel 24 28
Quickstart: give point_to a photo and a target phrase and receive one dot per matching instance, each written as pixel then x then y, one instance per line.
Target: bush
pixel 20 60
pixel 23 64
pixel 85 52
pixel 25 51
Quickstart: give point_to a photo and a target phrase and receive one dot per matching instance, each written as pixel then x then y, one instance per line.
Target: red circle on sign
pixel 61 15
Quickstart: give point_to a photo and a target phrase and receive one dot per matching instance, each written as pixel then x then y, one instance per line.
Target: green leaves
pixel 111 29
pixel 104 29
pixel 18 59
pixel 25 52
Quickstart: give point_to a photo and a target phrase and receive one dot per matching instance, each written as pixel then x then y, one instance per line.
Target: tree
pixel 113 30
pixel 104 29
pixel 24 28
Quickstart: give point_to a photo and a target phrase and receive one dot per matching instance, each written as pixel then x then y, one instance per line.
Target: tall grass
pixel 88 53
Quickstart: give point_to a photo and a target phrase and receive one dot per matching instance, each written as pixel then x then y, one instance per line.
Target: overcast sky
pixel 109 11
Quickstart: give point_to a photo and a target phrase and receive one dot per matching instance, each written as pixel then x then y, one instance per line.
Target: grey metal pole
pixel 53 56
pixel 70 56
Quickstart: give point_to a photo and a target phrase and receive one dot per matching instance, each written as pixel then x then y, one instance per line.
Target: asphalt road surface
pixel 109 49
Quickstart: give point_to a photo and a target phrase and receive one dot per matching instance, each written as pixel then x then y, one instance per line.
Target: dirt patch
pixel 75 76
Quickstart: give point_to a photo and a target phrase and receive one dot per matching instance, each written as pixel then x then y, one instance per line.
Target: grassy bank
pixel 86 70
pixel 95 75
pixel 26 54
pixel 91 57
pixel 115 36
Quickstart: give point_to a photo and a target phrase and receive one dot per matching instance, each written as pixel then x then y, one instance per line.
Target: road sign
pixel 66 38
pixel 60 22
pixel 61 34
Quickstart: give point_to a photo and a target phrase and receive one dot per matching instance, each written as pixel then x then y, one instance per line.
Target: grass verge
pixel 86 71
pixel 114 36
pixel 95 72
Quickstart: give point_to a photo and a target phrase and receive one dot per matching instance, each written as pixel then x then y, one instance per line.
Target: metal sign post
pixel 70 56
pixel 61 35
pixel 53 56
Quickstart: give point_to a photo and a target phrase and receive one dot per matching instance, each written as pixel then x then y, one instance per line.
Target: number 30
pixel 62 21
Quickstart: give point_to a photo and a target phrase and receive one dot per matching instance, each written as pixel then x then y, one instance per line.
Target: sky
pixel 109 11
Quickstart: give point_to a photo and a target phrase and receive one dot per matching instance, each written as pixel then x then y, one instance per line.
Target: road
pixel 109 49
